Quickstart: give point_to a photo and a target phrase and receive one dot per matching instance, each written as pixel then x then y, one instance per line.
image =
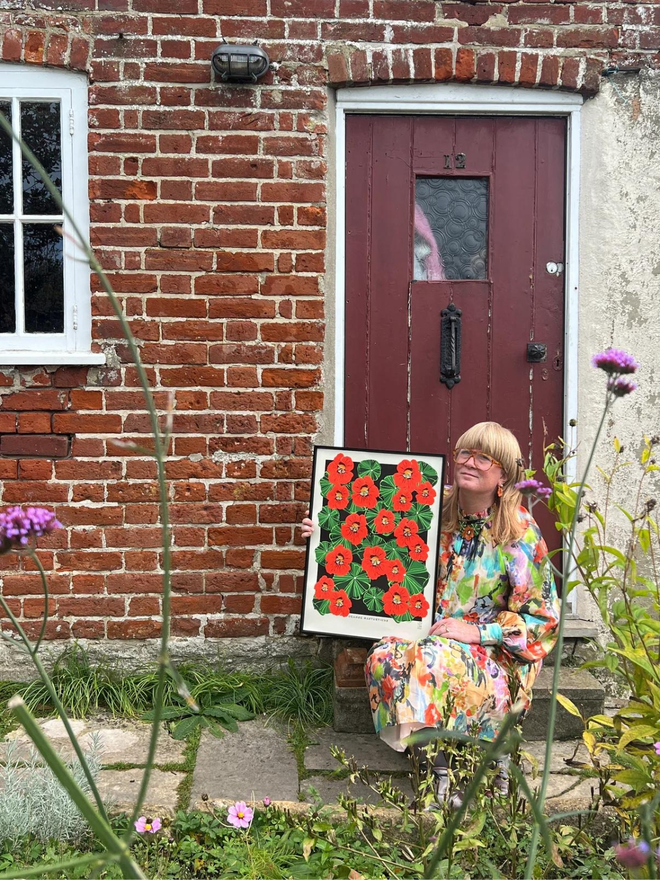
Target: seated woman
pixel 497 608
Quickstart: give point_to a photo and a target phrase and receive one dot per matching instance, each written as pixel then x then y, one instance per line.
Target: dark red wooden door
pixel 453 210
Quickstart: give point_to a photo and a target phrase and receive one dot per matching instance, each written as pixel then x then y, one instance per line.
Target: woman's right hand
pixel 307 527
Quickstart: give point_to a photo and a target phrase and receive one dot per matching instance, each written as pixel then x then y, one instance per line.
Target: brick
pixel 283 559
pixel 134 629
pixel 588 38
pixel 274 604
pixel 41 445
pixel 443 65
pixel 234 627
pixel 87 423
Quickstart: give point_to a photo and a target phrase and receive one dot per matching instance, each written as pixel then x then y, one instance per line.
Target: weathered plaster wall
pixel 620 272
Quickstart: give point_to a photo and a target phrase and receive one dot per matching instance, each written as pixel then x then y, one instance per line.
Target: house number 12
pixel 459 160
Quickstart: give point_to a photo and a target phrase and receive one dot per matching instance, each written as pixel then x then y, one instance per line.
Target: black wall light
pixel 239 63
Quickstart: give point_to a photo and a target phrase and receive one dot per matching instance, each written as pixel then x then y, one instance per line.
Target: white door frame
pixel 466 99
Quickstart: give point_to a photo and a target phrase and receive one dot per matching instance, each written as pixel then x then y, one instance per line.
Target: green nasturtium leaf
pixel 403 618
pixel 417 577
pixel 369 468
pixel 321 605
pixel 373 599
pixel 430 474
pixel 388 489
pixel 322 551
pixel 325 484
pixel 328 518
pixel 422 515
pixel 354 583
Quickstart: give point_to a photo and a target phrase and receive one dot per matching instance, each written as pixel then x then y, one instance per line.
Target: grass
pixel 297 695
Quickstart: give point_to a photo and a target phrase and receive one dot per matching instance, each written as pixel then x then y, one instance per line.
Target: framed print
pixel 372 561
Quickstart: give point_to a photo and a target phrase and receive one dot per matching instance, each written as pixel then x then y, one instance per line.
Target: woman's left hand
pixel 459 630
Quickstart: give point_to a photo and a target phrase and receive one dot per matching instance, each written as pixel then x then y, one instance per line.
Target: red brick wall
pixel 208 209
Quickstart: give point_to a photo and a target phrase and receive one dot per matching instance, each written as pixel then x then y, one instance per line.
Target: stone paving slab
pixel 329 790
pixel 367 749
pixel 255 762
pixel 561 752
pixel 119 790
pixel 121 740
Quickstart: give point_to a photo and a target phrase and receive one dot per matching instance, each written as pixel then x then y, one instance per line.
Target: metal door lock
pixel 537 352
pixel 554 268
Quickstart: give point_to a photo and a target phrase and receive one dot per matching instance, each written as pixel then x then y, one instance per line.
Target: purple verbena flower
pixel 621 385
pixel 240 815
pixel 266 801
pixel 18 526
pixel 615 361
pixel 656 746
pixel 633 854
pixel 533 487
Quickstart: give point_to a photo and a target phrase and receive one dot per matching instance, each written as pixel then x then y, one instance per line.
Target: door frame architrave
pixel 467 99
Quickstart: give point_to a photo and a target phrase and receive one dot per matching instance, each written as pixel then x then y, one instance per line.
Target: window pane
pixel 40 128
pixel 7 294
pixel 6 176
pixel 451 231
pixel 44 279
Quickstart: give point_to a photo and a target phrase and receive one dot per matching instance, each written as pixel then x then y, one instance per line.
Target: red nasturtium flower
pixel 338 561
pixel 340 604
pixel 354 528
pixel 324 588
pixel 340 469
pixel 338 497
pixel 365 492
pixel 384 522
pixel 418 550
pixel 402 499
pixel 374 562
pixel 395 600
pixel 396 570
pixel 425 493
pixel 407 475
pixel 406 532
pixel 418 606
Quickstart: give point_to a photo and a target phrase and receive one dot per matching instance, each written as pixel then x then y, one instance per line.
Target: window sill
pixel 46 358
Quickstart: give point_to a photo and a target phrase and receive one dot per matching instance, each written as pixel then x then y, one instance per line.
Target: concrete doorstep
pixel 258 762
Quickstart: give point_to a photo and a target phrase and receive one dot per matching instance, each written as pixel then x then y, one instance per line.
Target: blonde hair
pixel 493 439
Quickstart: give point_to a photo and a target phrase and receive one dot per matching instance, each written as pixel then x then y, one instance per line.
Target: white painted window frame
pixel 466 99
pixel 73 346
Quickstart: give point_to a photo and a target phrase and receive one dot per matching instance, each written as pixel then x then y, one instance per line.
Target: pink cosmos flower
pixel 633 854
pixel 240 815
pixel 266 801
pixel 148 824
pixel 615 361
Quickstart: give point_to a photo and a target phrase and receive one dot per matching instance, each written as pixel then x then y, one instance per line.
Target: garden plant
pixel 251 841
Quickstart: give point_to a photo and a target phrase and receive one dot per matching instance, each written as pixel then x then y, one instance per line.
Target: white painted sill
pixel 46 358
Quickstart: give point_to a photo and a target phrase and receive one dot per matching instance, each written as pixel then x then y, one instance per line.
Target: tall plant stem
pixel 159 454
pixel 552 713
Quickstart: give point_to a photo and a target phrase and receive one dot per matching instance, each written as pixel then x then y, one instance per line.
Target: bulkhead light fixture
pixel 239 63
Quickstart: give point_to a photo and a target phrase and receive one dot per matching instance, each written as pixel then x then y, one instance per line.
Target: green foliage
pixel 619 569
pixel 33 802
pixel 301 693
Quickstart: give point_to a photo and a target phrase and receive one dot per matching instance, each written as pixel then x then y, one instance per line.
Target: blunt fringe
pixel 493 439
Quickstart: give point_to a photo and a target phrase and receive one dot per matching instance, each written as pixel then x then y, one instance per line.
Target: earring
pixel 500 491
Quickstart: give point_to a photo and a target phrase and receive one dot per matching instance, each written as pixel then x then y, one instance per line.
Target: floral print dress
pixel 509 592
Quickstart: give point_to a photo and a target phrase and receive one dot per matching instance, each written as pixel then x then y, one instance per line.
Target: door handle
pixel 450 345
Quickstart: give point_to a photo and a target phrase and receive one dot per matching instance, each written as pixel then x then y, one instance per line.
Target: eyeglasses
pixel 482 461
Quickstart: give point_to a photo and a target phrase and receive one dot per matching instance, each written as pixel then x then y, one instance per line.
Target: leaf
pixel 638 732
pixel 322 551
pixel 589 740
pixel 369 468
pixel 388 489
pixel 167 714
pixel 186 726
pixel 321 605
pixel 354 583
pixel 568 705
pixel 403 618
pixel 325 485
pixel 644 539
pixel 328 518
pixel 636 779
pixel 373 599
pixel 223 717
pixel 422 515
pixel 308 844
pixel 429 474
pixel 218 732
pixel 238 712
pixel 416 578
